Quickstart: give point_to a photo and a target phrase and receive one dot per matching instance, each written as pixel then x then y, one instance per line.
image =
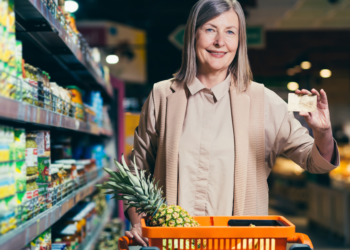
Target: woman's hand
pixel 136 234
pixel 136 228
pixel 320 123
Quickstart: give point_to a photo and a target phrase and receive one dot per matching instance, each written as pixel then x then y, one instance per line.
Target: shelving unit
pixel 25 233
pixel 37 27
pixel 21 112
pixel 93 237
pixel 48 45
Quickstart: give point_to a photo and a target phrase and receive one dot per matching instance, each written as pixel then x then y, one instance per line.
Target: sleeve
pixel 145 141
pixel 294 141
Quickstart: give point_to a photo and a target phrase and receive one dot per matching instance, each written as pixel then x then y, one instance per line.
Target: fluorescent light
pixel 292 86
pixel 305 65
pixel 325 73
pixel 71 6
pixel 112 59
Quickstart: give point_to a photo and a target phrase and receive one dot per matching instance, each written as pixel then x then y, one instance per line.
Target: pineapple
pixel 145 196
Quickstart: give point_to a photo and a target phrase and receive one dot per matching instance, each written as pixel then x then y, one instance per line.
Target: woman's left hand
pixel 318 121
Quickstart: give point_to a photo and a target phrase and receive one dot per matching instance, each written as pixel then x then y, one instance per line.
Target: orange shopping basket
pixel 222 232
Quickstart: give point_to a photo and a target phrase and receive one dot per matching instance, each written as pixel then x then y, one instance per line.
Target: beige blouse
pixel 283 135
pixel 206 151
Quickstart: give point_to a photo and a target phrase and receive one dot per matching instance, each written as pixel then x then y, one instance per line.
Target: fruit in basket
pixel 142 193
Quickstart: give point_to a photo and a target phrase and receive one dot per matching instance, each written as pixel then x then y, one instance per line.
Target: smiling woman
pixel 215 29
pixel 211 135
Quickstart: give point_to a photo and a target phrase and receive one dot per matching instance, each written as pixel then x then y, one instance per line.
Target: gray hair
pixel 202 12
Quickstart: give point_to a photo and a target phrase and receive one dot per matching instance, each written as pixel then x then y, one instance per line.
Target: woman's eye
pixel 230 32
pixel 210 30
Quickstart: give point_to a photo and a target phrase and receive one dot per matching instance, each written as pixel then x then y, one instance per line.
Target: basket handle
pixel 124 243
pixel 301 238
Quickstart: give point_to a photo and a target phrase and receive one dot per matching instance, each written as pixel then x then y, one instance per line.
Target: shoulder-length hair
pixel 202 12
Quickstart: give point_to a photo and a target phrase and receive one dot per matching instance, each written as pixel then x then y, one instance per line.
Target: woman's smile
pixel 217 54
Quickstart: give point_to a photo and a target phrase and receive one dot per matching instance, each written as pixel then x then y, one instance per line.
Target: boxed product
pixel 20 176
pixel 20 143
pixel 44 169
pixel 43 142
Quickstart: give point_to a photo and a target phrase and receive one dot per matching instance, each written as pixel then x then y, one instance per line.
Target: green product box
pixel 20 176
pixel 20 144
pixel 44 169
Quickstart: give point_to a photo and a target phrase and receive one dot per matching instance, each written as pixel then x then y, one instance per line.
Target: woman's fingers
pixel 323 97
pixel 315 92
pixel 134 235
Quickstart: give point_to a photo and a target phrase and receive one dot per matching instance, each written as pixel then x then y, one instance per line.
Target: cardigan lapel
pixel 175 115
pixel 240 106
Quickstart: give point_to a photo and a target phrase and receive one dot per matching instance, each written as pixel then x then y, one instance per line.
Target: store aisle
pixel 320 238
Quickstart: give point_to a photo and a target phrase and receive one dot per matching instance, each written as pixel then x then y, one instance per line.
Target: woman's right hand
pixel 136 234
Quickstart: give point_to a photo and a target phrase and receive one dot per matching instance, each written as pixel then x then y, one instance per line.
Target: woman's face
pixel 217 42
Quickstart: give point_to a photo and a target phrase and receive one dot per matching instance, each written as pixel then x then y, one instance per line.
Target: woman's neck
pixel 212 79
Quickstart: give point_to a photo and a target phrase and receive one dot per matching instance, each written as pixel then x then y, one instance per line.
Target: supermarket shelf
pixel 34 22
pixel 25 233
pixel 93 237
pixel 19 111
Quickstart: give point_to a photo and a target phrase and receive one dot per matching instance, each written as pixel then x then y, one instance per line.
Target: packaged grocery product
pixel 47 91
pixel 41 93
pixel 43 194
pixel 33 81
pixel 42 140
pixel 44 169
pixel 27 88
pixel 77 101
pixel 66 100
pixel 18 59
pixel 31 154
pixel 20 143
pixel 56 100
pixel 69 166
pixel 11 16
pixel 20 176
pixel 4 144
pixel 32 195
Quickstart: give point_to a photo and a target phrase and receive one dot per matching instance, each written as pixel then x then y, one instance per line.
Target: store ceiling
pixel 301 14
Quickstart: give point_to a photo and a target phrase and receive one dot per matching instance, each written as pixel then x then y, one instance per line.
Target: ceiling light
pixel 292 86
pixel 305 65
pixel 325 73
pixel 112 59
pixel 71 6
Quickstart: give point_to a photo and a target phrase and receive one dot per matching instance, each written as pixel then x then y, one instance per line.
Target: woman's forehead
pixel 228 19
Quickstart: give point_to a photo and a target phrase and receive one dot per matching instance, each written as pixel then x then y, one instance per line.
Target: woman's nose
pixel 219 40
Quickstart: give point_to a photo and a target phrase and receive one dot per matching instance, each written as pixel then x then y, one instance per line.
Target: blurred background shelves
pixel 29 230
pixel 64 53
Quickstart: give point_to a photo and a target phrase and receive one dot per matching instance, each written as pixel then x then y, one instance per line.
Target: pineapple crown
pixel 137 190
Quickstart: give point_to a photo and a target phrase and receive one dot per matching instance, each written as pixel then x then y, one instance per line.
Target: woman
pixel 210 136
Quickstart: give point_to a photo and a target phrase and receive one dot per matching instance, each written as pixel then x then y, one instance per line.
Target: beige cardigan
pixel 253 162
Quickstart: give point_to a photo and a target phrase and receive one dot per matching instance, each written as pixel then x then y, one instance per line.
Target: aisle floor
pixel 320 238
